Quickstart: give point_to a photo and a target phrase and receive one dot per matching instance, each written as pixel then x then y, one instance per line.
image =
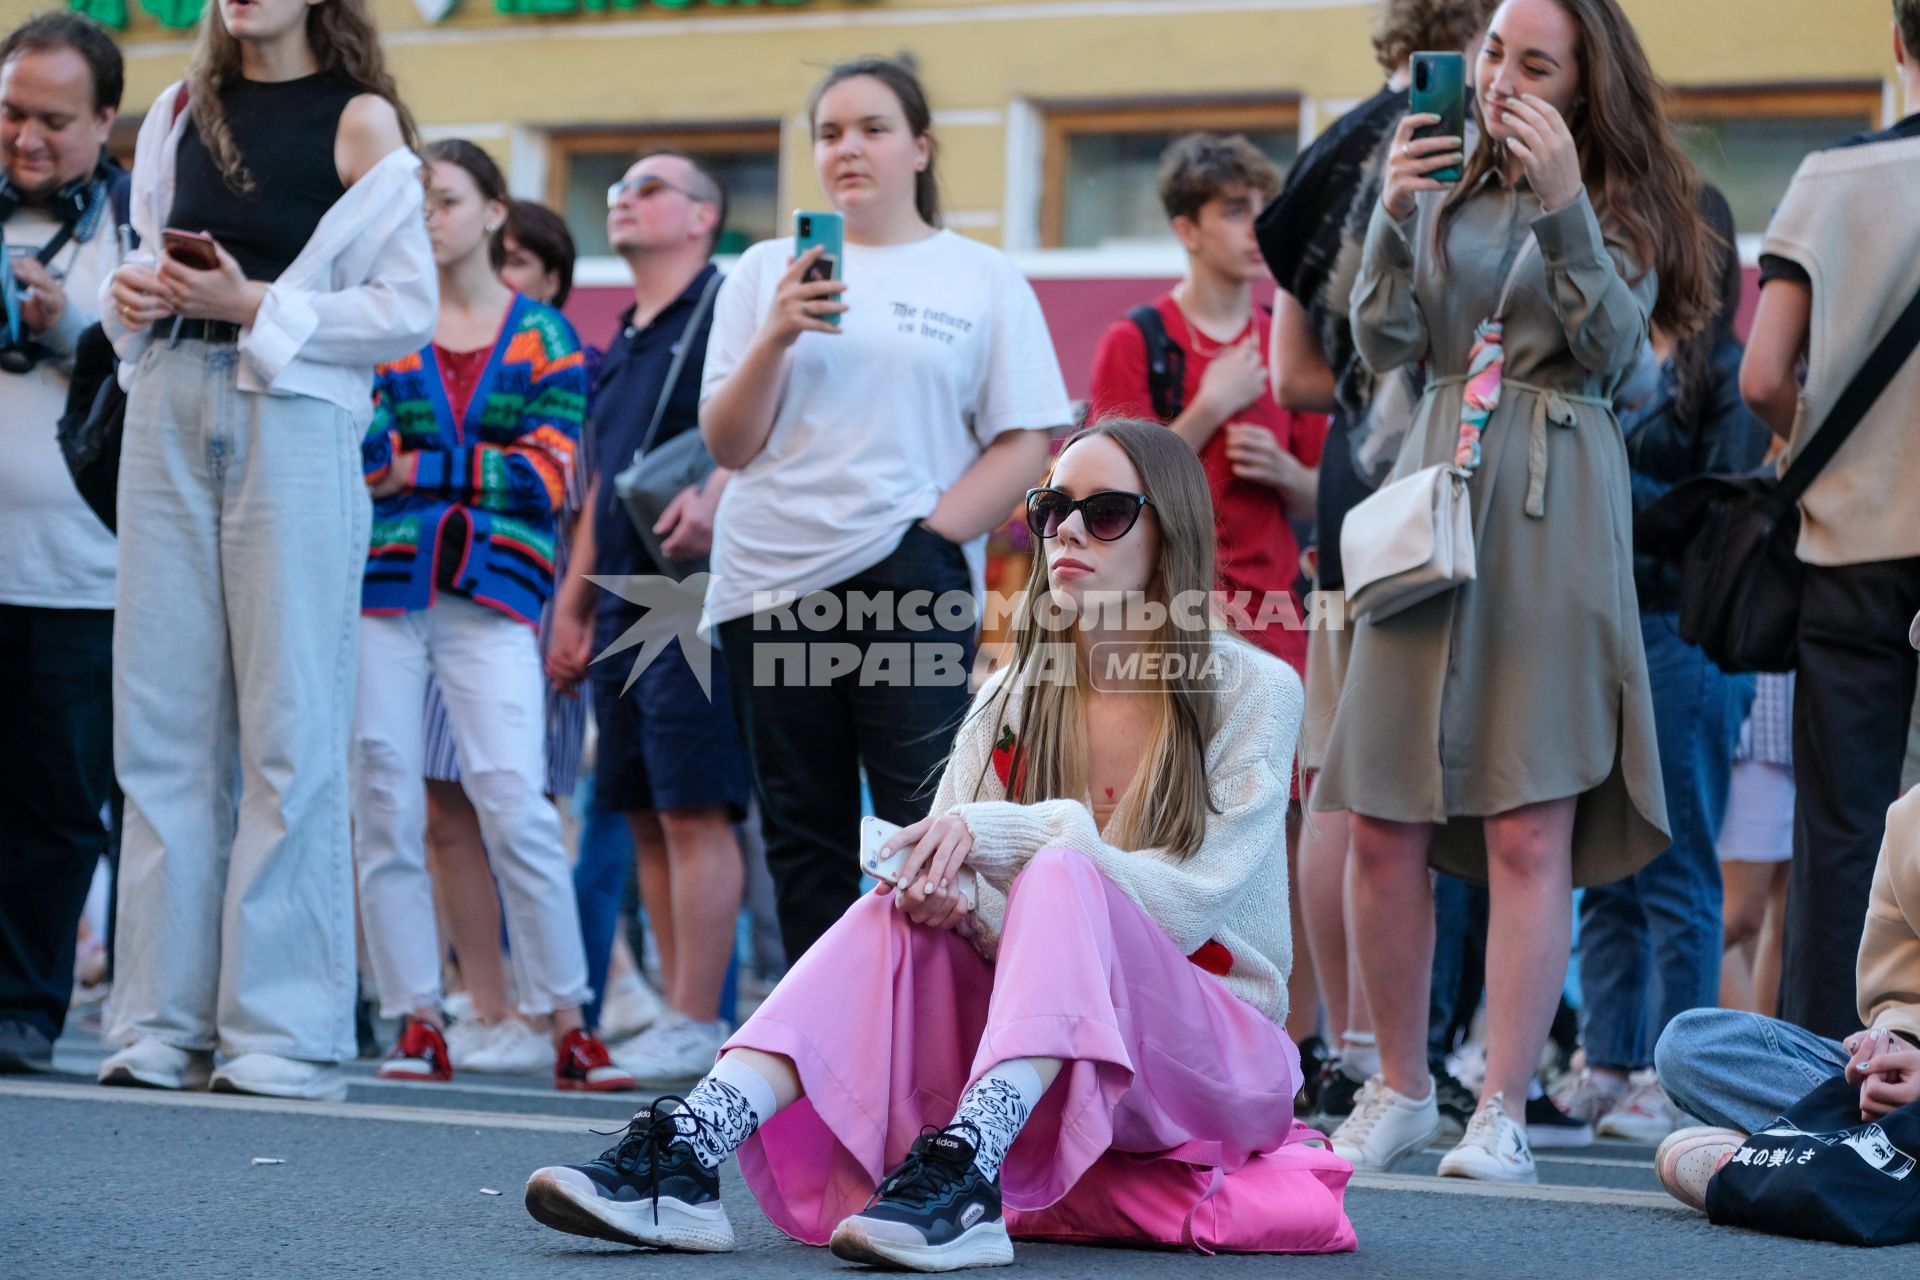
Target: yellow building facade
pixel 1049 112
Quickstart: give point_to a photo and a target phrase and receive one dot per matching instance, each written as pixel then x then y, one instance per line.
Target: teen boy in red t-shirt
pixel 1260 459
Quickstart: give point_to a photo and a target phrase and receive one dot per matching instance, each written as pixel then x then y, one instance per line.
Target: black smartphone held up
pixel 1440 88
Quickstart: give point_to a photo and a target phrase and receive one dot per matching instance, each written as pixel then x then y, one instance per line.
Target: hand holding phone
pixel 195 249
pixel 886 866
pixel 1440 89
pixel 827 232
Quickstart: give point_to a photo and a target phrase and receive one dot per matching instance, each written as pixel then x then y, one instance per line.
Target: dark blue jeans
pixel 56 771
pixel 1650 944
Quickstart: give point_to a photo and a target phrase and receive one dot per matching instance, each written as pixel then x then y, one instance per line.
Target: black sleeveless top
pixel 285 131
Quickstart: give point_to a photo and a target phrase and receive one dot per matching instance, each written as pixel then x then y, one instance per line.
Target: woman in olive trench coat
pixel 1502 730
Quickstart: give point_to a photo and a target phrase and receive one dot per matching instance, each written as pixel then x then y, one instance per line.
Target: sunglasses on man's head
pixel 1107 514
pixel 645 185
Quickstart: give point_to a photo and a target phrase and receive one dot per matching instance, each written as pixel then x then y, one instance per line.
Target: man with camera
pixel 60 83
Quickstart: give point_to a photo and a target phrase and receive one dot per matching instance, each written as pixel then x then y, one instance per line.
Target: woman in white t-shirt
pixel 880 425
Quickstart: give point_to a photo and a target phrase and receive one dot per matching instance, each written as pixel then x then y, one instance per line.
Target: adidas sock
pixel 1360 1055
pixel 733 1101
pixel 999 1104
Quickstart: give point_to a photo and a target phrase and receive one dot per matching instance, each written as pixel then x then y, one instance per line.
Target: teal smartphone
pixel 1440 88
pixel 828 231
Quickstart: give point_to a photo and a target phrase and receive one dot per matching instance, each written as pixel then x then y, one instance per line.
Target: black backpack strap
pixel 1872 379
pixel 1166 363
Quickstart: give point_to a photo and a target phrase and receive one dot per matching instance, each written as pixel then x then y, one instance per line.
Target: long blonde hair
pixel 1167 803
pixel 344 42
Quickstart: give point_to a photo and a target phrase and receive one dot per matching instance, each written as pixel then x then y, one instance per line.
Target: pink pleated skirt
pixel 1171 1124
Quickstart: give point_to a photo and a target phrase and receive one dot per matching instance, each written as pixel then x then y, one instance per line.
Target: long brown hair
pixel 1635 172
pixel 1167 803
pixel 344 42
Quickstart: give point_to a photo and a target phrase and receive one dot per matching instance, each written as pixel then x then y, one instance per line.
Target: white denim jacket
pixel 362 291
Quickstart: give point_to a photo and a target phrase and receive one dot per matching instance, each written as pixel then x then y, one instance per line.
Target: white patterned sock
pixel 999 1104
pixel 732 1101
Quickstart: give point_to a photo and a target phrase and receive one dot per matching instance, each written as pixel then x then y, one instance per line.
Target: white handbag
pixel 1413 539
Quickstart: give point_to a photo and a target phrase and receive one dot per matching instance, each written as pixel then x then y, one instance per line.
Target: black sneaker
pixel 1456 1102
pixel 934 1213
pixel 1549 1126
pixel 1314 1058
pixel 1336 1093
pixel 647 1189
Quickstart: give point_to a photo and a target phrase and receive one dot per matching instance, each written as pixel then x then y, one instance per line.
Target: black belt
pixel 174 329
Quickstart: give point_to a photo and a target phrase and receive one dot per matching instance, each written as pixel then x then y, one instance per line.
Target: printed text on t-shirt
pixel 929 323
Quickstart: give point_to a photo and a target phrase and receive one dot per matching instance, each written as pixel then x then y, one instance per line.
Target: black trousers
pixel 810 732
pixel 56 772
pixel 1853 701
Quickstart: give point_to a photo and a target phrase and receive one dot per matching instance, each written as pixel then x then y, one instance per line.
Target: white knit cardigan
pixel 1232 890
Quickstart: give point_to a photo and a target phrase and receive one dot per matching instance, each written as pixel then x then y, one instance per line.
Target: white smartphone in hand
pixel 875 832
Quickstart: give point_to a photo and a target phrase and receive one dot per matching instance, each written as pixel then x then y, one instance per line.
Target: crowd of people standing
pixel 321 690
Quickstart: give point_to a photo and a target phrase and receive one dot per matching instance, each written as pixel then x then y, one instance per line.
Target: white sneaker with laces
pixel 154 1065
pixel 1385 1127
pixel 675 1049
pixel 1587 1095
pixel 631 1007
pixel 1644 1115
pixel 511 1048
pixel 1494 1150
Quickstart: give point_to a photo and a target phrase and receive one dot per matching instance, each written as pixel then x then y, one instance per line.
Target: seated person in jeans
pixel 1120 986
pixel 1738 1071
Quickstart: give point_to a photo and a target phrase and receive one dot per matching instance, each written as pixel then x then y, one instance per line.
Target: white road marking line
pixel 579 1125
pixel 1612 1196
pixel 325 1110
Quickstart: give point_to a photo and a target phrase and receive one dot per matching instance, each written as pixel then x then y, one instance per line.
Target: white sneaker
pixel 1494 1150
pixel 1385 1127
pixel 631 1007
pixel 272 1076
pixel 1586 1095
pixel 675 1049
pixel 510 1048
pixel 1689 1158
pixel 153 1065
pixel 458 1007
pixel 1644 1115
pixel 464 1039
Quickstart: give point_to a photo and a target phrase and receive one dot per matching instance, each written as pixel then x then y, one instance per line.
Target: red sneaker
pixel 419 1054
pixel 584 1066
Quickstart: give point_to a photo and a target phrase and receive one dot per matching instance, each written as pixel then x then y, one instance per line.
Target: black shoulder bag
pixel 1734 536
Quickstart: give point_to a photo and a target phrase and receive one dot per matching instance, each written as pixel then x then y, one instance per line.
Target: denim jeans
pixel 243 535
pixel 1459 962
pixel 1739 1069
pixel 56 770
pixel 487 666
pixel 809 740
pixel 1649 945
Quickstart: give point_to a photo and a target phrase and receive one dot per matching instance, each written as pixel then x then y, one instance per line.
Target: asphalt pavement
pixel 398 1181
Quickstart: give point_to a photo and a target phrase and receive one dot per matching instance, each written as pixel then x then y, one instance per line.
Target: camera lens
pixel 806 226
pixel 1420 77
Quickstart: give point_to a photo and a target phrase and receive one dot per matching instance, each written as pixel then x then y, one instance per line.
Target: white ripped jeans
pixel 489 671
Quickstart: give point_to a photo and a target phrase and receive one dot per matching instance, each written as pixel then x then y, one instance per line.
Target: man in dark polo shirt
pixel 669 756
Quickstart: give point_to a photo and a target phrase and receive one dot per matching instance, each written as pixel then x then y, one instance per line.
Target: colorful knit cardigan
pixel 480 517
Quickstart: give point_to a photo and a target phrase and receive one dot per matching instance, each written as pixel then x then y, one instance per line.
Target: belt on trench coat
pixel 1549 405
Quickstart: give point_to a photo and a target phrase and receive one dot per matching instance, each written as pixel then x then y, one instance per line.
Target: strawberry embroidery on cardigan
pixel 1214 958
pixel 1009 765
